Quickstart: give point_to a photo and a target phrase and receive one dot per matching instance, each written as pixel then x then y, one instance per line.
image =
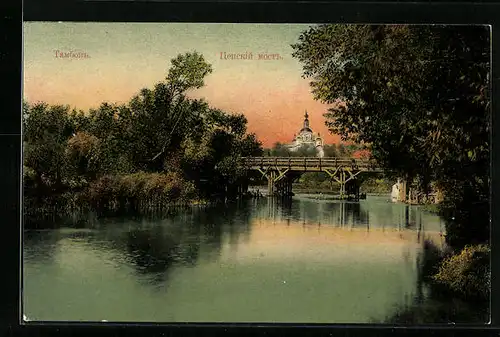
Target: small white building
pixel 398 192
pixel 395 192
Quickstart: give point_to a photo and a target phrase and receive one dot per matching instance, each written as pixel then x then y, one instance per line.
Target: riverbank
pixel 330 192
pixel 53 215
pixel 298 189
pixel 111 195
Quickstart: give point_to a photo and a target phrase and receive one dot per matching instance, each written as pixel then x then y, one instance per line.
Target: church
pixel 307 138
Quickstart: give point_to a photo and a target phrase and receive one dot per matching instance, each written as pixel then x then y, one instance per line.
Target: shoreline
pixel 297 191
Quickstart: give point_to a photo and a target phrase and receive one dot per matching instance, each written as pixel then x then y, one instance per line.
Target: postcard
pixel 256 173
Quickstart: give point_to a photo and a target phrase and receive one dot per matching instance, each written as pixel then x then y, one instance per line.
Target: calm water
pixel 258 261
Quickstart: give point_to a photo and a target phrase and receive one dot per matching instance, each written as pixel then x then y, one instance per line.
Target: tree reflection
pixel 429 304
pixel 153 245
pixel 152 253
pixel 337 213
pixel 39 245
pixel 182 240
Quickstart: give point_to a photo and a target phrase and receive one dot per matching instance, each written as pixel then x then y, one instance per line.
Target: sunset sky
pixel 126 57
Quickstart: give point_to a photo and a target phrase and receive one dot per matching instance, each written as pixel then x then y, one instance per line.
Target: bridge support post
pixel 342 184
pixel 270 182
pixel 352 188
pixel 280 187
pixel 288 186
pixel 243 187
pixel 348 181
pixel 357 188
pixel 279 183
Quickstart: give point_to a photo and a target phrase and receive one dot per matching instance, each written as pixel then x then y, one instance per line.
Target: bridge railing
pixel 307 162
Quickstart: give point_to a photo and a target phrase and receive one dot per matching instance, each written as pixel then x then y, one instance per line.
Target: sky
pixel 123 58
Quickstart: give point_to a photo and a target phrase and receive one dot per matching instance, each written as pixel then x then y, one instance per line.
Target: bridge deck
pixel 310 163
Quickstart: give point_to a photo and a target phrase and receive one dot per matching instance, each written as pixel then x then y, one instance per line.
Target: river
pixel 261 260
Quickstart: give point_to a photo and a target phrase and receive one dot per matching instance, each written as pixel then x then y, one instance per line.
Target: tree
pixel 280 150
pixel 305 150
pixel 330 150
pixel 419 96
pixel 46 130
pixel 188 71
pixel 342 150
pixel 159 133
pixel 83 154
pixel 250 146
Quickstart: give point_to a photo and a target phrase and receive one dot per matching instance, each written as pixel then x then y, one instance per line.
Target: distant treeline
pixel 329 150
pixel 160 148
pixel 321 182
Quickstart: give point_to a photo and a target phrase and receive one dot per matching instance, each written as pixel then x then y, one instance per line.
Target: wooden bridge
pixel 281 172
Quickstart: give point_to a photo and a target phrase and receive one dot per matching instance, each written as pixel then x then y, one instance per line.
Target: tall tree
pixel 188 71
pixel 418 95
pixel 46 130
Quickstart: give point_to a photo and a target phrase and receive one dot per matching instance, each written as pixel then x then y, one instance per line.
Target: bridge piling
pixel 342 184
pixel 270 182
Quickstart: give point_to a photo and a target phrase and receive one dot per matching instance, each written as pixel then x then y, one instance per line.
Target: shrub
pixel 140 191
pixel 103 191
pixel 189 191
pixel 467 273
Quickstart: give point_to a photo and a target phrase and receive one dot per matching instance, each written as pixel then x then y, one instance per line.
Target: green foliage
pixel 330 150
pixel 188 71
pixel 282 150
pixel 250 146
pixel 376 185
pixel 83 154
pixel 418 95
pixel 305 151
pixel 467 273
pixel 138 191
pixel 314 180
pixel 279 150
pixel 46 130
pixel 160 147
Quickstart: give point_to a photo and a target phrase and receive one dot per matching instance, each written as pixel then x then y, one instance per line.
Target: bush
pixel 467 273
pixel 375 185
pixel 139 191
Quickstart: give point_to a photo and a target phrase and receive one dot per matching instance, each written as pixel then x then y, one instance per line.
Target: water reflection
pixel 375 214
pixel 183 240
pixel 151 251
pixel 152 245
pixel 428 305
